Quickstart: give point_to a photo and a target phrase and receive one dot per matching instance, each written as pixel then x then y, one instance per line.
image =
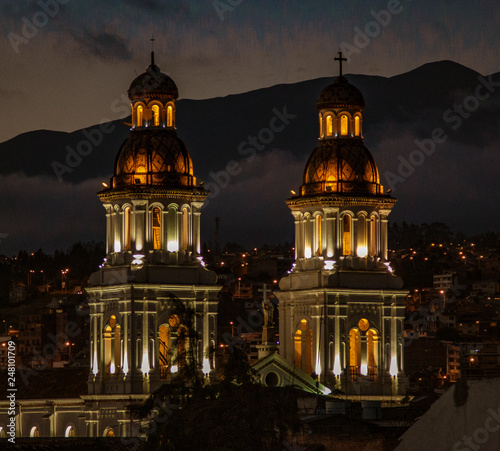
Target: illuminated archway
pixel 155 111
pixel 346 242
pixel 329 125
pixel 344 125
pixel 354 352
pixel 156 228
pixel 303 340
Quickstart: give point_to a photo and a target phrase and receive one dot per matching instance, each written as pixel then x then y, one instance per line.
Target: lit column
pixel 308 225
pixel 109 228
pixel 298 235
pixel 118 230
pixel 383 234
pixel 329 233
pixel 196 227
pixel 164 229
pixel 139 225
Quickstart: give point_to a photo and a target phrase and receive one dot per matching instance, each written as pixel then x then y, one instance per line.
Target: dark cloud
pixel 104 45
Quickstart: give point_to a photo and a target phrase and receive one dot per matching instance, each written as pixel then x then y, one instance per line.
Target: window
pixel 156 228
pixel 185 219
pixel 356 126
pixel 344 125
pixel 108 432
pixel 155 110
pixel 347 235
pixel 303 341
pixel 321 133
pixel 354 351
pixel 169 116
pixel 373 224
pixel 372 348
pixel 329 125
pixel 140 115
pixel 126 228
pixel 318 235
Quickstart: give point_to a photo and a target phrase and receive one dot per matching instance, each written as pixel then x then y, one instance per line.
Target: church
pixel 153 304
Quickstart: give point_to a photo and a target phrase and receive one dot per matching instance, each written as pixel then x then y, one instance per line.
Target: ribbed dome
pixel 341 166
pixel 151 157
pixel 340 94
pixel 153 83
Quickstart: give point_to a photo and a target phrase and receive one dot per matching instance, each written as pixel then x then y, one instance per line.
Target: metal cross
pixel 340 59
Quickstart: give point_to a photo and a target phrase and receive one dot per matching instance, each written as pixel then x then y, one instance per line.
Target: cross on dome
pixel 340 59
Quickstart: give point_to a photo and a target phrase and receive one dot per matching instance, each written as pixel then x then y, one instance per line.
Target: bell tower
pixel 153 304
pixel 341 307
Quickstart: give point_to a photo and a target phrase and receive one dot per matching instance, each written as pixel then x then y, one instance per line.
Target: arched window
pixel 321 132
pixel 170 112
pixel 361 249
pixel 34 432
pixel 108 432
pixel 107 348
pixel 156 228
pixel 112 346
pixel 344 128
pixel 318 235
pixel 354 352
pixel 373 224
pixel 329 125
pixel 303 340
pixel 346 250
pixel 140 115
pixel 70 432
pixel 164 348
pixel 126 228
pixel 372 350
pixel 356 126
pixel 185 219
pixel 155 110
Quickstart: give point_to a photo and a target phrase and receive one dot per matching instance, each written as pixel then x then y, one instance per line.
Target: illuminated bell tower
pixel 152 285
pixel 341 307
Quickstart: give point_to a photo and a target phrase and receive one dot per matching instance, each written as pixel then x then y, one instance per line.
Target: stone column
pixel 109 228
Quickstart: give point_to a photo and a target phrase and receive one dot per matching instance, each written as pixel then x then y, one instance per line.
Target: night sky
pixel 73 67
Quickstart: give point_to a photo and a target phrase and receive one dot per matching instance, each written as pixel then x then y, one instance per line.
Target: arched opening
pixel 357 130
pixel 107 348
pixel 156 228
pixel 155 111
pixel 354 353
pixel 344 125
pixel 185 219
pixel 112 346
pixel 272 379
pixel 126 228
pixel 346 242
pixel 170 113
pixel 70 432
pixel 321 132
pixel 372 351
pixel 317 235
pixel 361 247
pixel 140 115
pixel 164 342
pixel 108 432
pixel 34 432
pixel 329 125
pixel 373 224
pixel 303 340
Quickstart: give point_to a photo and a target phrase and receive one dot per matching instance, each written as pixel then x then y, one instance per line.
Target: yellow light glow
pixel 356 125
pixel 394 367
pixel 362 251
pixel 329 125
pixel 173 246
pixel 343 125
pixel 337 370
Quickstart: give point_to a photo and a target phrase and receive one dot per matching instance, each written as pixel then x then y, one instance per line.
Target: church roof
pixel 340 94
pixel 153 83
pixel 341 166
pixel 153 157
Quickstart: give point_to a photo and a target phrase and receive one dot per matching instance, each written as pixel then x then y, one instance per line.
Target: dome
pixel 341 166
pixel 149 157
pixel 153 83
pixel 340 94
